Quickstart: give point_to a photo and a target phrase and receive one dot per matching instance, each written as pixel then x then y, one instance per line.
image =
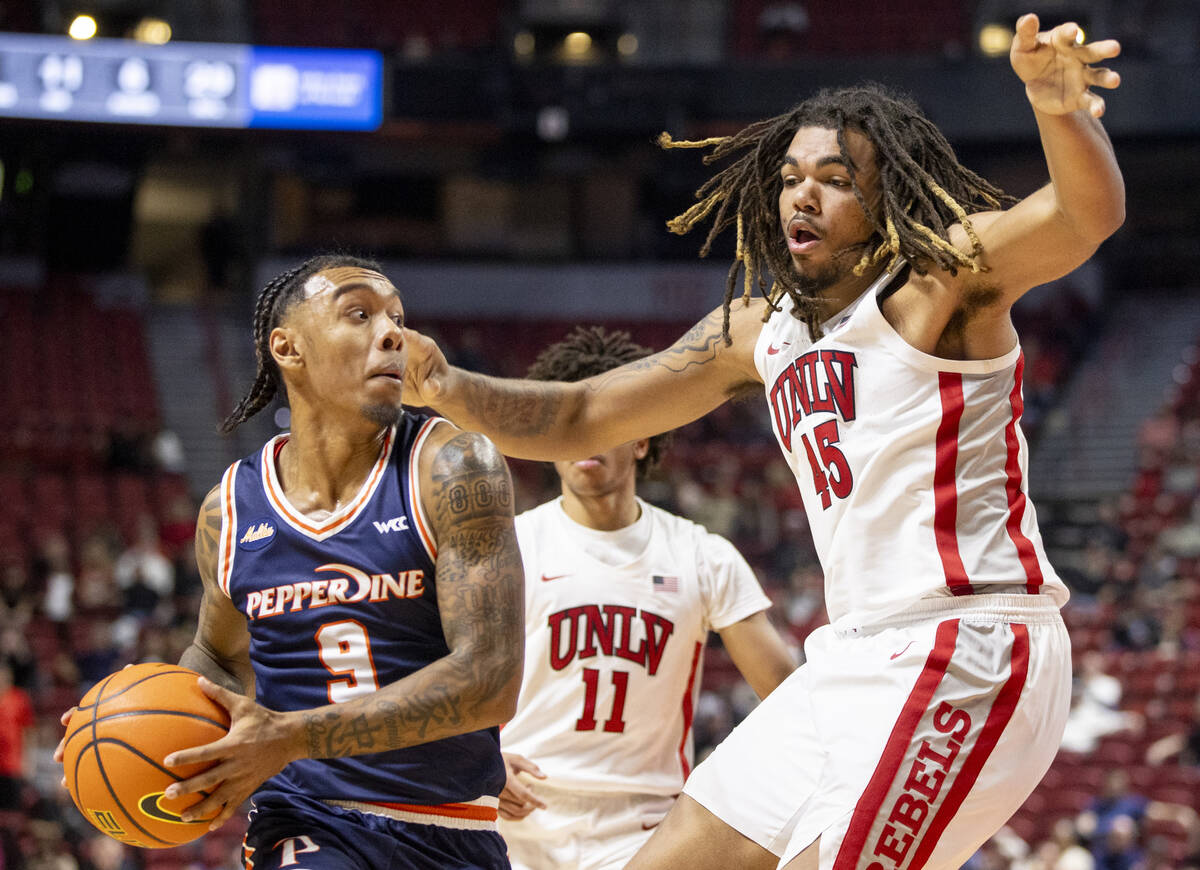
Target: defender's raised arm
pixel 550 420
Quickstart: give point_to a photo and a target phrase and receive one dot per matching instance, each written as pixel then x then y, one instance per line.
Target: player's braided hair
pixel 924 190
pixel 274 301
pixel 593 350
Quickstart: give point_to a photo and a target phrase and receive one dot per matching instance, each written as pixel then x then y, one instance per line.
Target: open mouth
pixel 801 238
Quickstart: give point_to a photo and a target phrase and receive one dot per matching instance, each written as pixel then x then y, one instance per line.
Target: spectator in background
pixel 16 606
pixel 96 592
pixel 1113 821
pixel 1184 746
pixel 96 654
pixel 178 529
pixel 50 848
pixel 1119 847
pixel 1067 849
pixel 142 572
pixel 1094 712
pixel 16 718
pixel 58 601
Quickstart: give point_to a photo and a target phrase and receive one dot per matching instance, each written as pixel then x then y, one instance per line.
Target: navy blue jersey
pixel 339 608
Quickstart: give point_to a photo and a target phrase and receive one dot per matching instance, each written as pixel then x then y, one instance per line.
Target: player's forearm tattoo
pixel 481 600
pixel 697 346
pixel 519 409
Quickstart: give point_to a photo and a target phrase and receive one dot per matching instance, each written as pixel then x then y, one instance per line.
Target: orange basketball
pixel 117 740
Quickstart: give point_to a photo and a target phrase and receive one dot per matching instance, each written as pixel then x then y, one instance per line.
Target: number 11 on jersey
pixel 591 685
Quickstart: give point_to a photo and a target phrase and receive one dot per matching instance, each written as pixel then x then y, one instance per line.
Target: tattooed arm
pixel 480 593
pixel 540 420
pixel 221 647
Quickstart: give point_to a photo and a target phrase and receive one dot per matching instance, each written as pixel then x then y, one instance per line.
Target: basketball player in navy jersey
pixel 934 701
pixel 362 584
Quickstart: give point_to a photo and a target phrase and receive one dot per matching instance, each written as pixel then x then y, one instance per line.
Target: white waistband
pixel 1040 609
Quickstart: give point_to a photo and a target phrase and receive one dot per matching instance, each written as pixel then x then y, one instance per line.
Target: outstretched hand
pixel 426 371
pixel 1056 68
pixel 259 745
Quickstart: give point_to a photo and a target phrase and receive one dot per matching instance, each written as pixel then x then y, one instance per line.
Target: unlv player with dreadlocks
pixel 935 700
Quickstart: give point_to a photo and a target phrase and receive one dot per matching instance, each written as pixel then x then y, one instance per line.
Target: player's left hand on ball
pixel 517 800
pixel 259 744
pixel 62 743
pixel 1056 67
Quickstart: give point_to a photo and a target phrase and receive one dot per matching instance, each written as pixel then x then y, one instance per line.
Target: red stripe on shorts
pixel 945 484
pixel 997 720
pixel 1016 497
pixel 898 742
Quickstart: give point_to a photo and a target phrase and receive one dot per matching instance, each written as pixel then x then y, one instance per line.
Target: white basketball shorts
pixel 582 830
pixel 905 745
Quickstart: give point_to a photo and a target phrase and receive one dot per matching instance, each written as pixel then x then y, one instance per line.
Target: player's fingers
pixel 1065 37
pixel 205 781
pixel 1093 52
pixel 196 754
pixel 225 814
pixel 1094 104
pixel 525 796
pixel 1025 38
pixel 521 764
pixel 66 717
pixel 227 699
pixel 1100 77
pixel 511 810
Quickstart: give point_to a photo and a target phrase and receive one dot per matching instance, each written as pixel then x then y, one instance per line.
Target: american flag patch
pixel 665 583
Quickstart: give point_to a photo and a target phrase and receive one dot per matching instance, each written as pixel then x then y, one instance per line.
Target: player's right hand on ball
pixel 517 801
pixel 426 372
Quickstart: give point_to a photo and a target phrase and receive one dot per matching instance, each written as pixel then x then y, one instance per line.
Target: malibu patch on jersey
pixel 257 535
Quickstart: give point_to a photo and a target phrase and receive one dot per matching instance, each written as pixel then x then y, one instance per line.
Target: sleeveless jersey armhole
pixel 226 548
pixel 424 529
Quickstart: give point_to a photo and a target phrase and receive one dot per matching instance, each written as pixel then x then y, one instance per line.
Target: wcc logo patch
pixel 257 535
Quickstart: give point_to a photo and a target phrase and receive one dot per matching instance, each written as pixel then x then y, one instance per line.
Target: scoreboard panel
pixel 193 84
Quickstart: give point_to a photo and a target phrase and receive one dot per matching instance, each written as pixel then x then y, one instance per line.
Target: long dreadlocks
pixel 592 350
pixel 924 190
pixel 274 301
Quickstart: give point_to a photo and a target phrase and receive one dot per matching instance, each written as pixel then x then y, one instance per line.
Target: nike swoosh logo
pixel 895 656
pixel 151 806
pixel 772 349
pixel 546 579
pixel 646 827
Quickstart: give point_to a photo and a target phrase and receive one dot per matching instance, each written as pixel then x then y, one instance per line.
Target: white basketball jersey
pixel 912 467
pixel 613 654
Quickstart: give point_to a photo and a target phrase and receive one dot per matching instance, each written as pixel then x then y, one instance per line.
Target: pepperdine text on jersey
pixel 356 585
